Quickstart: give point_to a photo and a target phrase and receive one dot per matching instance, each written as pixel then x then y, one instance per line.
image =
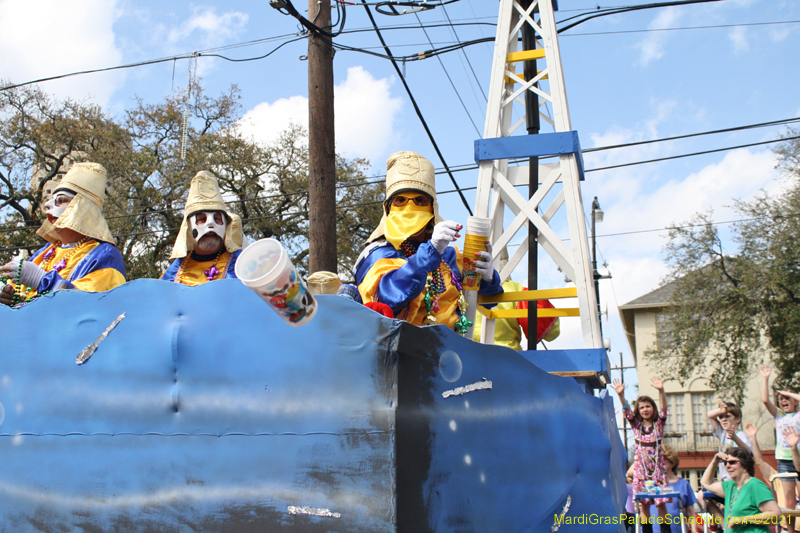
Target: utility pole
pixel 597 216
pixel 321 145
pixel 532 125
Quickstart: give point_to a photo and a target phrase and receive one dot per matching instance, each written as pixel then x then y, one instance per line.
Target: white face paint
pixel 205 222
pixel 58 203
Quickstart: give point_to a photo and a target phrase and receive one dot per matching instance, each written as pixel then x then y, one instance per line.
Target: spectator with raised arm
pixel 647 423
pixel 750 505
pixel 725 421
pixel 786 418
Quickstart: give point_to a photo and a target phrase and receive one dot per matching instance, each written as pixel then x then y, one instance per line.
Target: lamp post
pixel 597 216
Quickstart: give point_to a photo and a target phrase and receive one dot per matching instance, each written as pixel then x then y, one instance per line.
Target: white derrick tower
pixel 559 181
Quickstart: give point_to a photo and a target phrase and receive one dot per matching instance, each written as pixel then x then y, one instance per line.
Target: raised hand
pixel 721 456
pixel 444 233
pixel 751 430
pixel 657 382
pixel 792 438
pixel 765 371
pixel 619 388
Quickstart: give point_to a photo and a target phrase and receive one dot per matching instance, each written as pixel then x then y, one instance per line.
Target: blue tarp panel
pixel 204 411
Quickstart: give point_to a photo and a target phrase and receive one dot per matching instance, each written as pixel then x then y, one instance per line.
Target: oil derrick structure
pixel 558 182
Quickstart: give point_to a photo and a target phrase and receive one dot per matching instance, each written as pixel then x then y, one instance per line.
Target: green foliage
pixel 148 179
pixel 732 309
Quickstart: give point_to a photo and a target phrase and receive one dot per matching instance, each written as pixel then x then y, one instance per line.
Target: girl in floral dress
pixel 648 463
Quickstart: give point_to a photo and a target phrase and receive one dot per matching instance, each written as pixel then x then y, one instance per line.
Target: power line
pixel 716 26
pixel 712 132
pixel 694 154
pixel 414 57
pixel 416 108
pixel 453 85
pixel 371 180
pixel 627 9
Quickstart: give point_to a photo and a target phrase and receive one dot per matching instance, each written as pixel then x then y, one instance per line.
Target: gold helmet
pixel 84 213
pixel 204 195
pixel 407 171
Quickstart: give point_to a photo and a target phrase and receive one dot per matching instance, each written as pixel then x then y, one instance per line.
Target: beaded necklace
pixel 210 274
pixel 734 496
pixel 435 287
pixel 62 264
pixel 17 300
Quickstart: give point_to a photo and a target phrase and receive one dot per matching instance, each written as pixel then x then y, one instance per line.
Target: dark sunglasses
pixel 421 201
pixel 732 462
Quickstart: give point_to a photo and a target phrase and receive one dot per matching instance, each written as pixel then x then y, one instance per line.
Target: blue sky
pixel 629 77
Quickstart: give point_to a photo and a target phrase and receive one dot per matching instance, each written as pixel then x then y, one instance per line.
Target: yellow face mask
pixel 404 221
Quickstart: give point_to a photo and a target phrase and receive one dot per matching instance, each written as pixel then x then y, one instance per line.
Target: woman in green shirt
pixel 749 503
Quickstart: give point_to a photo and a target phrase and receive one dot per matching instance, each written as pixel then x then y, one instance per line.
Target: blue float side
pixel 204 411
pixel 539 145
pixel 501 459
pixel 201 411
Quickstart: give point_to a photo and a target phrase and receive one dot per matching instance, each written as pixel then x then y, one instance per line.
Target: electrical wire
pixel 455 34
pixel 371 180
pixel 145 63
pixel 683 28
pixel 414 57
pixel 453 85
pixel 694 154
pixel 627 9
pixel 712 132
pixel 417 109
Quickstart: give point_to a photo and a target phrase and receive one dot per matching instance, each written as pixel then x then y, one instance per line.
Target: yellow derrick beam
pixel 523 313
pixel 527 296
pixel 527 55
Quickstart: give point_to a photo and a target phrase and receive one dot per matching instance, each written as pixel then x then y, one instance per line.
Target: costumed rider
pixel 210 238
pixel 81 254
pixel 408 263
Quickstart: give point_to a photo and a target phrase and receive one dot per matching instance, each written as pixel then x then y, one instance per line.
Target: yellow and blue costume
pixel 400 267
pixel 90 265
pixel 194 269
pixel 387 276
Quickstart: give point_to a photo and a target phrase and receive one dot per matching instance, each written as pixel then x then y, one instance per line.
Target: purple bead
pixel 60 265
pixel 211 272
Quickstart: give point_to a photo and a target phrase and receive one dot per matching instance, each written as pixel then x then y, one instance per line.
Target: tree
pixel 731 309
pixel 151 160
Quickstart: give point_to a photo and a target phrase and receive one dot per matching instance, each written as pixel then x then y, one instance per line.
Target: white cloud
pixel 364 108
pixel 43 38
pixel 738 37
pixel 652 46
pixel 204 29
pixel 213 29
pixel 780 34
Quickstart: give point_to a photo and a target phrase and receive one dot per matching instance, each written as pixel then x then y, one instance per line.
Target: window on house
pixel 676 421
pixel 663 332
pixel 702 403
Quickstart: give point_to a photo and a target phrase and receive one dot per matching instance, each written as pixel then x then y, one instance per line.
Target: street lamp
pixel 597 216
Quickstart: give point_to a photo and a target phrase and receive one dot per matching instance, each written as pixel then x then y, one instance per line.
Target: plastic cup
pixel 264 267
pixel 477 233
pixel 479 226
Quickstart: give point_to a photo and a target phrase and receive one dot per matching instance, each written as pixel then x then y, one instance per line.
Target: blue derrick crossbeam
pixel 585 363
pixel 539 145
